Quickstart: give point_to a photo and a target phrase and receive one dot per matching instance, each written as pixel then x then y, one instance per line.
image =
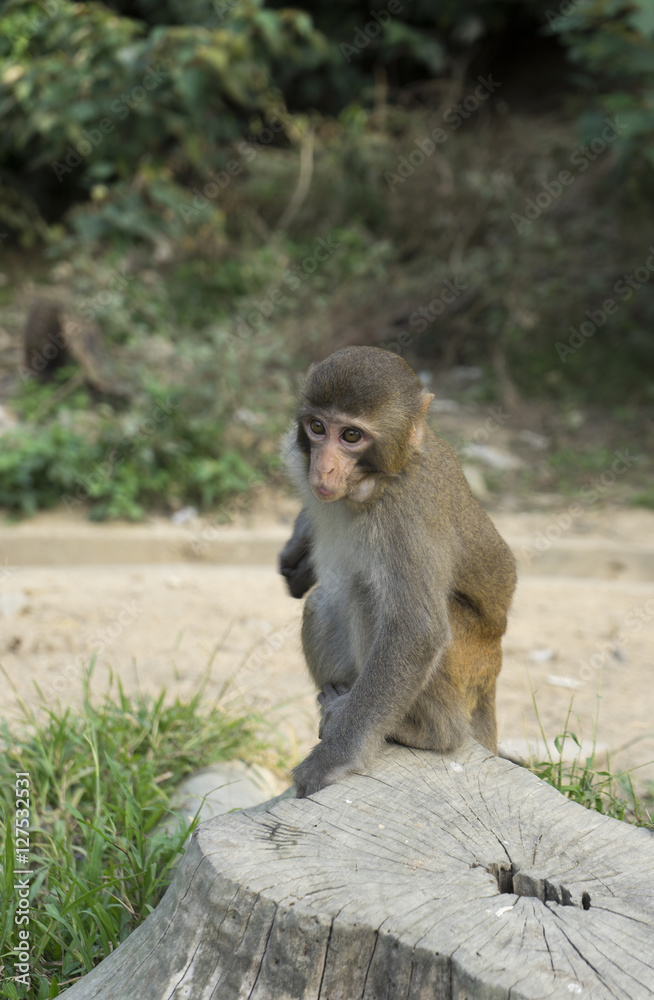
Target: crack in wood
pixel 511 880
pixel 280 835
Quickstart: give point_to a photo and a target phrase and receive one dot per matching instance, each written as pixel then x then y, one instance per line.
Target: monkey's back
pixel 483 568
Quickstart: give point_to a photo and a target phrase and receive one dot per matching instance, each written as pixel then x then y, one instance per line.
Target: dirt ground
pixel 571 639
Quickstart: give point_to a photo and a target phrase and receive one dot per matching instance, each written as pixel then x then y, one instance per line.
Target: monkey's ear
pixel 418 431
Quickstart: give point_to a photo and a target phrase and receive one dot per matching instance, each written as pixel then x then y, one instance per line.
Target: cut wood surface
pixel 453 877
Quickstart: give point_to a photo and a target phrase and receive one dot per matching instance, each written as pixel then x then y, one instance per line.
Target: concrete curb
pixel 87 544
pixel 584 557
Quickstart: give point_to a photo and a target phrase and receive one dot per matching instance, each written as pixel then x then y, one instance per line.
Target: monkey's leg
pixel 484 721
pixel 438 719
pixel 480 664
pixel 331 699
pixel 475 661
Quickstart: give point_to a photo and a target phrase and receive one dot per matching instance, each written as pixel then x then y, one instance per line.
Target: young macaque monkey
pixel 402 634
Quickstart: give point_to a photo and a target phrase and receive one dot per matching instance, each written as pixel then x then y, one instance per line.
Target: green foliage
pixel 183 334
pixel 94 105
pixel 596 788
pixel 100 783
pixel 189 175
pixel 126 119
pixel 645 498
pixel 209 393
pixel 612 41
pixel 573 468
pixel 584 782
pixel 162 454
pixel 532 284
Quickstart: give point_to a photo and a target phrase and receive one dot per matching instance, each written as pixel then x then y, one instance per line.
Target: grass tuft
pixel 100 780
pixel 592 786
pixel 585 782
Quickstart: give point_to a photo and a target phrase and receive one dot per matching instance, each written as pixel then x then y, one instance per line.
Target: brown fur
pixel 44 340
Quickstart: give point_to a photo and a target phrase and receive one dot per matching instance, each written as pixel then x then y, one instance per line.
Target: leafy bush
pixel 161 455
pixel 97 107
pixel 612 44
pixel 208 171
pixel 128 119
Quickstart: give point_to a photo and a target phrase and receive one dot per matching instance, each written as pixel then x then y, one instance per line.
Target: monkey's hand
pixel 295 558
pixel 332 700
pixel 340 753
pixel 325 764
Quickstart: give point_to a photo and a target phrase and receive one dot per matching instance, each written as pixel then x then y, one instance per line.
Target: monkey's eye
pixel 351 435
pixel 316 426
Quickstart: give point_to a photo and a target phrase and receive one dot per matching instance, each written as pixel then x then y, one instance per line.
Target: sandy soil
pixel 168 625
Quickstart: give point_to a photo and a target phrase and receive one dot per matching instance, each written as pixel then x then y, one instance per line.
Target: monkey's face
pixel 337 449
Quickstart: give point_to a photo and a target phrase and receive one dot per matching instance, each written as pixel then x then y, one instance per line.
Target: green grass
pixel 584 781
pixel 100 780
pixel 170 449
pixel 592 786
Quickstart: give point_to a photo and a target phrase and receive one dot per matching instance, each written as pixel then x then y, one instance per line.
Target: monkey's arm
pixel 295 558
pixel 404 657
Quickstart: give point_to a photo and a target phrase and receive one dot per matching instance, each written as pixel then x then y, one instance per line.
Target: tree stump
pixel 453 877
